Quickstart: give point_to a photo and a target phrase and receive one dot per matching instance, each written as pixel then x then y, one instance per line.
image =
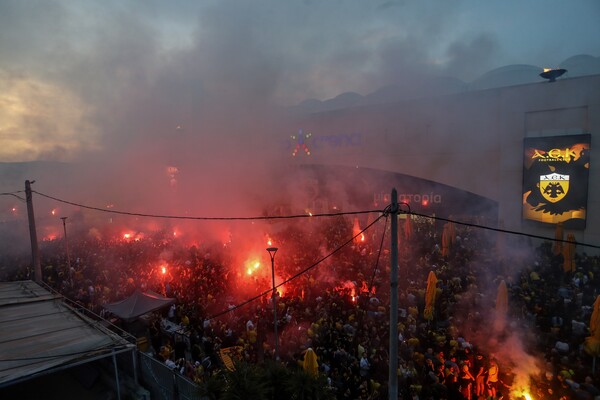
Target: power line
pixel 375 268
pixel 14 194
pixel 263 217
pixel 296 216
pixel 297 275
pixel 383 213
pixel 502 230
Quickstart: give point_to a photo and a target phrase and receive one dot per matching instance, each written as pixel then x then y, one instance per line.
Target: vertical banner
pixel 555 179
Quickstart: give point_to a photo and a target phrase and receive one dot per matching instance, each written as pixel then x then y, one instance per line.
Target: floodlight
pixel 552 74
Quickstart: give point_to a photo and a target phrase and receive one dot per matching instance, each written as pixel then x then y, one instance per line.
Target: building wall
pixel 471 140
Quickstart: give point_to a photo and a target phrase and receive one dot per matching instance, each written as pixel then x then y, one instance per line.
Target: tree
pixel 276 375
pixel 213 387
pixel 245 382
pixel 303 386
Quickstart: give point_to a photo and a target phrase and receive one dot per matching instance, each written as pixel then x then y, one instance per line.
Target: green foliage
pixel 245 382
pixel 303 386
pixel 276 375
pixel 213 388
pixel 272 381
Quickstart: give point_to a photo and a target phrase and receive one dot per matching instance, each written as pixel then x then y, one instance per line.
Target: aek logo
pixel 555 154
pixel 554 187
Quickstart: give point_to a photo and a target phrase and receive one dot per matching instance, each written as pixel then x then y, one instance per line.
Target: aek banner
pixel 555 179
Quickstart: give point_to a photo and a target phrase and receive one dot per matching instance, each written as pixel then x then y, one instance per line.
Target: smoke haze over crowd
pixel 123 90
pixel 80 78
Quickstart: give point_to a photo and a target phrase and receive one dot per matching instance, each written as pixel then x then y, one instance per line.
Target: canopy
pixel 592 342
pixel 310 363
pixel 501 306
pixel 557 246
pixel 408 227
pixel 430 296
pixel 446 240
pixel 138 303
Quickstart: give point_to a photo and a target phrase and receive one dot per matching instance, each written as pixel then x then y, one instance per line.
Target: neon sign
pixel 301 143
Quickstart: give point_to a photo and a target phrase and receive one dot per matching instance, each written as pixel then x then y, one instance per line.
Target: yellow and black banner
pixel 555 179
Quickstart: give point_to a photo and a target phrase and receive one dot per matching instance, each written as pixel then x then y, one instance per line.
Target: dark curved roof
pixel 582 64
pixel 137 304
pixel 508 75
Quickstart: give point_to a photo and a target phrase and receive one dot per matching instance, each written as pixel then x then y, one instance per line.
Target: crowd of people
pixel 333 298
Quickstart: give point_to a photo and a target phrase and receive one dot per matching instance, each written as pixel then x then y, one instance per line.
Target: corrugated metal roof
pixel 40 333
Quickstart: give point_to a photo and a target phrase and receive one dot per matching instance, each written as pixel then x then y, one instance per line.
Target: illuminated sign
pixel 555 179
pixel 300 139
pixel 340 140
pixel 307 142
pixel 423 199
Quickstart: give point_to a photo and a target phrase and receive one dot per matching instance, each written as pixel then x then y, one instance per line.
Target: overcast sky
pixel 75 75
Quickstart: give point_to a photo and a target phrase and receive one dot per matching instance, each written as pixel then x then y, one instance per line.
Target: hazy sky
pixel 76 76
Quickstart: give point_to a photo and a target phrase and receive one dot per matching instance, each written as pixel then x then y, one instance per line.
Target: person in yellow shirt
pixel 185 321
pixel 492 378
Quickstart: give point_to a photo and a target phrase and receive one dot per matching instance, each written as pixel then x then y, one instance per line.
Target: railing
pixel 162 382
pixel 165 383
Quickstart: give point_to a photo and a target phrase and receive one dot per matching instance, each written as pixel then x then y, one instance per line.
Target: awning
pixel 139 303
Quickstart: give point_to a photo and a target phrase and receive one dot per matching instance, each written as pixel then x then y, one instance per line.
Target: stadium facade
pixel 526 147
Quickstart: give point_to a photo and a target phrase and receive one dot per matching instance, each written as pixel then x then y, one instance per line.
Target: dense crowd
pixel 337 305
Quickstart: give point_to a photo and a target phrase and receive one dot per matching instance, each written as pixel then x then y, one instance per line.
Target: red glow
pixel 425 202
pixel 365 288
pixel 14 209
pixel 163 269
pixel 252 266
pixel 281 290
pixel 53 212
pixel 49 237
pixel 356 231
pixel 225 237
pixel 347 288
pixel 132 236
pixel 517 394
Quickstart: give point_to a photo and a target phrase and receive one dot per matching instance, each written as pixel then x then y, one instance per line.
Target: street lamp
pixel 272 251
pixel 64 220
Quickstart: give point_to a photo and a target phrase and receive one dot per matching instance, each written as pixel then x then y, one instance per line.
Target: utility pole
pixel 35 251
pixel 393 372
pixel 64 220
pixel 272 251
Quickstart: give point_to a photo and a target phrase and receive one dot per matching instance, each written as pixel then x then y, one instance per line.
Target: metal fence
pixel 163 383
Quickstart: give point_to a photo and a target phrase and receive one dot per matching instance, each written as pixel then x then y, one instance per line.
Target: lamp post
pixel 272 251
pixel 64 220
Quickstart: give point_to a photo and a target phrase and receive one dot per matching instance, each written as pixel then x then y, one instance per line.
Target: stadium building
pixel 512 146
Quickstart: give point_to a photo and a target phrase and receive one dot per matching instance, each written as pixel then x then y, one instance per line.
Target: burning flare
pixel 252 266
